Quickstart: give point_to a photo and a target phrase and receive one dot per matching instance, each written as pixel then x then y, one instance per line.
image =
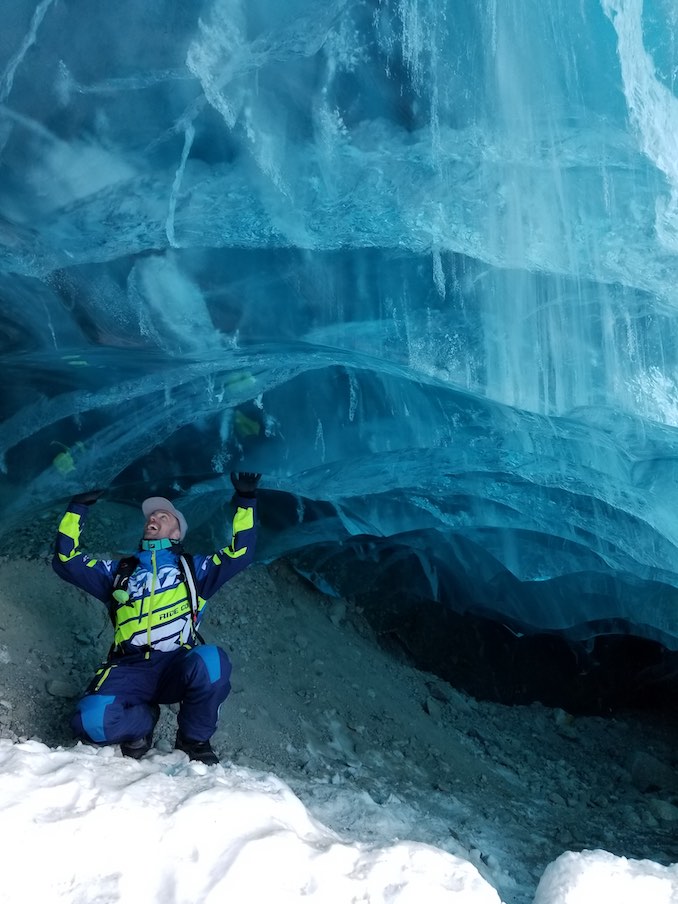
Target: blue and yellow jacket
pixel 157 615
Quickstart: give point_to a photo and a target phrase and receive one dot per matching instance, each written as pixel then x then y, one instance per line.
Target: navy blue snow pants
pixel 120 702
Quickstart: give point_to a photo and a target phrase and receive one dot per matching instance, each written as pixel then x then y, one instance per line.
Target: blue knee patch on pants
pixel 91 711
pixel 210 656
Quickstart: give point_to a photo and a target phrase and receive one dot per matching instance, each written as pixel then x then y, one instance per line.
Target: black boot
pixel 137 747
pixel 201 751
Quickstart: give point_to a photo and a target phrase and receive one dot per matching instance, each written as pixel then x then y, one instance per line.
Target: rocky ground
pixel 318 702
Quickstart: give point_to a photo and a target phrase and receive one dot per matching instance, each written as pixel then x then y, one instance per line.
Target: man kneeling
pixel 156 600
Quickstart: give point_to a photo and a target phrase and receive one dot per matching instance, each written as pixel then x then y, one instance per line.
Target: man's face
pixel 161 525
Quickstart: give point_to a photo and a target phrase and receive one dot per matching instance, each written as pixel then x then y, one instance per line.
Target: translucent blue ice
pixel 416 261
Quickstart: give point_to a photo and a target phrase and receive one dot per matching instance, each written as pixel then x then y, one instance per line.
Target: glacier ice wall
pixel 414 260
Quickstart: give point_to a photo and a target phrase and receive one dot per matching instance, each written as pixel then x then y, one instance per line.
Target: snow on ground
pixel 87 826
pixel 346 774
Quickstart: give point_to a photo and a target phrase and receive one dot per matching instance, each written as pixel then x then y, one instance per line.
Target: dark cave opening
pixel 602 668
pixel 607 675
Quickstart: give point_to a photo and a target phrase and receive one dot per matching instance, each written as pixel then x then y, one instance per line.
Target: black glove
pixel 88 498
pixel 245 483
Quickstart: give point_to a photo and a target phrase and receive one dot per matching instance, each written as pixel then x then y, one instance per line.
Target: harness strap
pixel 189 580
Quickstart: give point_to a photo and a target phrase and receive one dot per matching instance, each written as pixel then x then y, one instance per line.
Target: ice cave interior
pixel 415 262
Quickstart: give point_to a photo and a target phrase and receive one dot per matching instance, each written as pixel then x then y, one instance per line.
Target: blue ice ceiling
pixel 416 261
